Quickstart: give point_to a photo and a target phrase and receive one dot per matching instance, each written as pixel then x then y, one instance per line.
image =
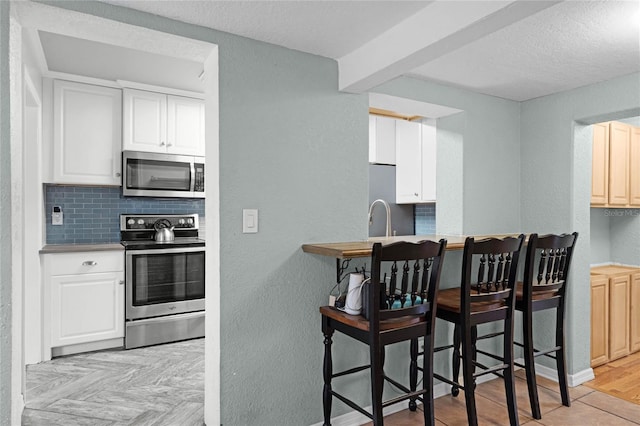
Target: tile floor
pixel 157 385
pixel 164 385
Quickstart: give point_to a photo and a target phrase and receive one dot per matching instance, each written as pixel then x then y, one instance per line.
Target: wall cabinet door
pixel 87 139
pixel 408 162
pixel 619 316
pixel 634 168
pixel 634 303
pixel 145 121
pixel 156 122
pixel 599 320
pixel 86 308
pixel 619 142
pixel 382 140
pixel 429 161
pixel 600 164
pixel 185 126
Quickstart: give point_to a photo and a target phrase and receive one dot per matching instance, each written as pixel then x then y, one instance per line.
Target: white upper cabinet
pixel 145 121
pixel 382 140
pixel 87 134
pixel 415 162
pixel 156 122
pixel 408 162
pixel 429 161
pixel 185 125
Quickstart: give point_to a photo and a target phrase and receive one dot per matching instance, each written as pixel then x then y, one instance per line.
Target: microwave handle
pixel 192 184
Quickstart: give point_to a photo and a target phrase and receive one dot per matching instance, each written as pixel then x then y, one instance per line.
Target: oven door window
pixel 158 175
pixel 168 277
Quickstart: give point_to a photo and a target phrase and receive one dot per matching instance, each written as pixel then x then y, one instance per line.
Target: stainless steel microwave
pixel 148 174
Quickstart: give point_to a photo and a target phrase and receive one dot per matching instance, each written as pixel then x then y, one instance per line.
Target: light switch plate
pixel 249 221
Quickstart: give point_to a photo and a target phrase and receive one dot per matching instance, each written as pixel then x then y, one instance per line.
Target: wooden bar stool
pixel 414 270
pixel 549 257
pixel 489 299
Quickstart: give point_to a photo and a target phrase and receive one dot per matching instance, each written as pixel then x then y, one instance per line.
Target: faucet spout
pixel 386 206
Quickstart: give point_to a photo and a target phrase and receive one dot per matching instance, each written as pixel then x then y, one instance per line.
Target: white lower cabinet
pixel 85 301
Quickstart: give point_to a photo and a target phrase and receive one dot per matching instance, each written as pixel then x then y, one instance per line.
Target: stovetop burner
pixel 137 231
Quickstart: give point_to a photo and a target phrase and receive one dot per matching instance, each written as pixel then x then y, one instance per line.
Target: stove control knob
pixel 181 221
pixel 140 221
pixel 190 221
pixel 131 222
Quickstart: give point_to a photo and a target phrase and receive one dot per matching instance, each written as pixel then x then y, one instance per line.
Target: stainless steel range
pixel 164 279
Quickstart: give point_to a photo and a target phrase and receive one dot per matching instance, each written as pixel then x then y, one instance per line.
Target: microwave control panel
pixel 198 185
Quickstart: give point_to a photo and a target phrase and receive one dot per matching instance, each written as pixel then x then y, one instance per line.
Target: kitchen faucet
pixel 386 206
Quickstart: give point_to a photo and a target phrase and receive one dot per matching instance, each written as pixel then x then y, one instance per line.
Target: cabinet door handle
pixel 415 193
pixel 121 282
pixel 89 263
pixel 161 143
pixel 118 174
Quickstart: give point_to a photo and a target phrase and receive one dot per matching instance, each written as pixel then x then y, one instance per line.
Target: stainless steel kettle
pixel 164 231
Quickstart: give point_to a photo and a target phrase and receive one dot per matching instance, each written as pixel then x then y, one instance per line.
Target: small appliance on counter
pixel 164 278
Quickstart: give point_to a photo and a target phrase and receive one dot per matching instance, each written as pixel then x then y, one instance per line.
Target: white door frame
pixel 36 16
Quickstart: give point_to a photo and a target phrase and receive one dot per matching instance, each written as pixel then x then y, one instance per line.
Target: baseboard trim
pixel 552 374
pixel 355 418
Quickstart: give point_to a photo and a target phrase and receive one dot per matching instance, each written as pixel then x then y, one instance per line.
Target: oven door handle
pixel 134 252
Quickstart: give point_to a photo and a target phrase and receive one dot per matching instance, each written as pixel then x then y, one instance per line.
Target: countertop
pixel 72 248
pixel 353 249
pixel 614 269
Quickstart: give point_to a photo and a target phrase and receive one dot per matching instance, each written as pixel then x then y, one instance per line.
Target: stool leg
pixel 455 361
pixel 561 364
pixel 413 372
pixel 327 371
pixel 467 373
pixel 376 383
pixel 529 363
pixel 427 382
pixel 509 377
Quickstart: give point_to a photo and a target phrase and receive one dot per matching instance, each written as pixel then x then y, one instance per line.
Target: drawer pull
pixel 89 263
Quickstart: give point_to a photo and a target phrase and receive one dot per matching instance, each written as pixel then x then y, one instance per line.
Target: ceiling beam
pixel 439 28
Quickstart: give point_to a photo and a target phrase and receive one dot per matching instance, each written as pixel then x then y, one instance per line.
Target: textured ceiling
pixel 569 45
pixel 553 48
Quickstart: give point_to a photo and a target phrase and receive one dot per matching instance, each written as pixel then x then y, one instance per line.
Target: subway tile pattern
pixel 92 214
pixel 425 219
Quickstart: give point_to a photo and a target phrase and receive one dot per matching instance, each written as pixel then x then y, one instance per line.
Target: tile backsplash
pixel 92 214
pixel 425 219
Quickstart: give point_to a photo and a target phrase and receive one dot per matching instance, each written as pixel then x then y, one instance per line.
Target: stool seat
pixel 361 323
pixel 449 300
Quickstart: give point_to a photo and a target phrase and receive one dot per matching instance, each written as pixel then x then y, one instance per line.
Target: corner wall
pixel 555 183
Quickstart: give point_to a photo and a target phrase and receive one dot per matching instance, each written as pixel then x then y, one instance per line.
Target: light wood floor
pixel 164 385
pixel 620 378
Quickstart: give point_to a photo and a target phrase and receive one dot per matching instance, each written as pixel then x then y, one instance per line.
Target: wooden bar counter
pixel 354 249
